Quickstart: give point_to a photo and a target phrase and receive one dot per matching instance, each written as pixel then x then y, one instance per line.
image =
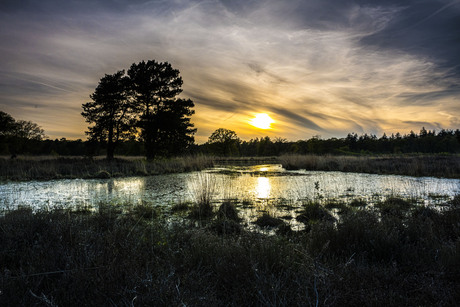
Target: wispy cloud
pixel 319 67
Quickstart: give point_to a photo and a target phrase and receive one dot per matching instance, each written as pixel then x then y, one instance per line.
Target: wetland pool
pixel 267 188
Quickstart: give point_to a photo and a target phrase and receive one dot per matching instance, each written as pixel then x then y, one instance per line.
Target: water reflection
pixel 270 186
pixel 263 187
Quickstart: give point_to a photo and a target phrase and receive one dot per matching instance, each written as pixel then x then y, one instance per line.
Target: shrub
pixel 202 210
pixel 357 202
pixel 313 212
pixel 268 221
pixel 341 207
pixel 228 211
pixel 223 226
pixel 179 207
pixel 394 206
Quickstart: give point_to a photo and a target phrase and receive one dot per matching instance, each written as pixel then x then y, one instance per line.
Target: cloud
pixel 426 125
pixel 322 67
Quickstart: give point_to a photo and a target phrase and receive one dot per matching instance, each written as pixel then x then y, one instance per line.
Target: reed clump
pixel 268 221
pixel 228 211
pixel 394 206
pixel 180 207
pixel 314 212
pixel 202 210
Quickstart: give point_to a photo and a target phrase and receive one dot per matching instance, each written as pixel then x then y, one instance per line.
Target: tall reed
pixel 203 188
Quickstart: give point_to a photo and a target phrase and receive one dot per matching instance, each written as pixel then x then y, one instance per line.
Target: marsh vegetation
pixel 47 168
pixel 394 253
pixel 57 167
pixel 447 166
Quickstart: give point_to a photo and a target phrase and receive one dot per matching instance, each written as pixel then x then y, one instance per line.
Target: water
pixel 268 188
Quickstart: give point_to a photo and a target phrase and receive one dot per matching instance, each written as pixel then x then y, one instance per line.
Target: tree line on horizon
pixel 18 136
pixel 25 137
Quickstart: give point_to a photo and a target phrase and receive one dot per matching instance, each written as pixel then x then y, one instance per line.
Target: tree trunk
pixel 110 145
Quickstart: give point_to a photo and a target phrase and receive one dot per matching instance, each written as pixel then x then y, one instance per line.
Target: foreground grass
pixel 131 256
pixel 79 167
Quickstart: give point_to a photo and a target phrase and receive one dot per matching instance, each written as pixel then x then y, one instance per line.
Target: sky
pixel 316 67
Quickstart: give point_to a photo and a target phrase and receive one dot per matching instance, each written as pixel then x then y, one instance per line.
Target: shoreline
pixel 26 168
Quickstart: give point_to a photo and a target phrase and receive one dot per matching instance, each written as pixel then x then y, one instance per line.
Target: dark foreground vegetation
pixel 394 254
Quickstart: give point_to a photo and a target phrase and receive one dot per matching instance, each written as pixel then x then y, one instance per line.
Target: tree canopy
pixel 224 142
pixel 145 99
pixel 18 136
pixel 112 111
pixel 164 119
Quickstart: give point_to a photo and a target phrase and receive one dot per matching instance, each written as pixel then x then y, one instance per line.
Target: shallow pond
pixel 266 188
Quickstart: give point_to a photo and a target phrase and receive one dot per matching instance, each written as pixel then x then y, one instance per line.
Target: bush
pixel 228 211
pixel 394 206
pixel 358 203
pixel 202 210
pixel 268 221
pixel 314 212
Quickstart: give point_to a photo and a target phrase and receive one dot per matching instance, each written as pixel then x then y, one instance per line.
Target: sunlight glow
pixel 263 187
pixel 262 121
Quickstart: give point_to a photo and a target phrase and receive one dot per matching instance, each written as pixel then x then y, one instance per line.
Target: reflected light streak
pixel 263 187
pixel 133 185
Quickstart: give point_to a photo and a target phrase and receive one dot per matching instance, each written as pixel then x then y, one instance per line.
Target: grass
pixel 46 168
pixel 410 165
pixel 130 255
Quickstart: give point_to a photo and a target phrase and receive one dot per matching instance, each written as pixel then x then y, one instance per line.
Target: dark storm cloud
pixel 52 6
pixel 429 29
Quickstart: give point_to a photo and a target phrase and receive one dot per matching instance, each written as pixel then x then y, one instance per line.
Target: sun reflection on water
pixel 263 187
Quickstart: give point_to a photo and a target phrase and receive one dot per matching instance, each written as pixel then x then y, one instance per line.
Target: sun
pixel 262 121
